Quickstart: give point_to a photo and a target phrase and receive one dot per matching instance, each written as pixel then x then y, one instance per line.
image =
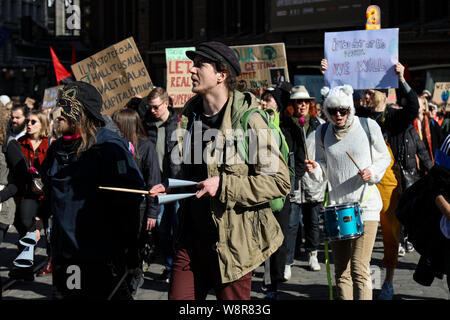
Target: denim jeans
pixel 309 213
pixel 167 222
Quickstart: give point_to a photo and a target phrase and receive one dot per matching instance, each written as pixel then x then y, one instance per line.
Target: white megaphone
pixel 29 240
pixel 25 258
pixel 176 183
pixel 163 199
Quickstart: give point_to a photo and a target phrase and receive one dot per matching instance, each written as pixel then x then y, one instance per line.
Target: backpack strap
pixel 9 138
pixel 365 124
pixel 323 131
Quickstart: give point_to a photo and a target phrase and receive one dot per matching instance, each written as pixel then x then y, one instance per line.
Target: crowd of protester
pixel 54 160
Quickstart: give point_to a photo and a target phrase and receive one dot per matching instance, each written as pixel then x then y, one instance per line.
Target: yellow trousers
pixel 389 188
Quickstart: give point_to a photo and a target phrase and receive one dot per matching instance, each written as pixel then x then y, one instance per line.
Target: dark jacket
pixel 148 164
pixel 420 216
pixel 410 145
pixel 90 224
pixel 394 121
pixel 170 169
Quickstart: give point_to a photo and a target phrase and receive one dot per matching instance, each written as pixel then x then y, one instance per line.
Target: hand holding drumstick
pixel 365 174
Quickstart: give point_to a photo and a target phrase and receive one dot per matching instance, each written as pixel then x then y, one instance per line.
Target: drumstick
pixel 353 160
pixel 124 190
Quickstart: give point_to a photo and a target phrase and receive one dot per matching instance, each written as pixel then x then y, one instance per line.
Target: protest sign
pixel 179 83
pixel 50 96
pixel 363 59
pixel 118 72
pixel 441 93
pixel 262 66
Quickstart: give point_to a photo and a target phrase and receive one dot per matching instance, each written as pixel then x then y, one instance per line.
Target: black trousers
pixel 278 258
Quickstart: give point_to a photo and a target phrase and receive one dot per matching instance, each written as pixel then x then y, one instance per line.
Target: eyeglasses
pixel 33 122
pixel 342 111
pixel 156 107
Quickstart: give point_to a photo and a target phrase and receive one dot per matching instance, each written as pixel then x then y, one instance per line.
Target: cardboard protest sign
pixel 179 83
pixel 50 96
pixel 262 66
pixel 363 59
pixel 118 72
pixel 441 93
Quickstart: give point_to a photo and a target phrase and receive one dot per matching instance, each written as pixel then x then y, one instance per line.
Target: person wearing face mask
pixel 348 184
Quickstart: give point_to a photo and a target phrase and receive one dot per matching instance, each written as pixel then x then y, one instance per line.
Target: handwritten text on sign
pixel 259 64
pixel 362 59
pixel 118 72
pixel 179 84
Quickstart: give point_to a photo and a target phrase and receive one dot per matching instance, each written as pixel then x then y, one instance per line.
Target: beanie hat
pixel 338 97
pixel 281 97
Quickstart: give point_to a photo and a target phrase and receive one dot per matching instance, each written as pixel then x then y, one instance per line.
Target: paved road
pixel 304 285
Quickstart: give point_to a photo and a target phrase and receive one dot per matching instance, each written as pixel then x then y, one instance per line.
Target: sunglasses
pixel 342 111
pixel 33 122
pixel 156 107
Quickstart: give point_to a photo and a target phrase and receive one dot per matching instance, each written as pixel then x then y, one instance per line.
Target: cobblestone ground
pixel 304 284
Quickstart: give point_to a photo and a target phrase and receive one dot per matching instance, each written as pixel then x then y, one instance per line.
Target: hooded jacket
pixel 86 219
pixel 247 231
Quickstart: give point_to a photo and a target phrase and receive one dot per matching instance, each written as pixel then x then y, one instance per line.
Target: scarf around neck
pixel 340 133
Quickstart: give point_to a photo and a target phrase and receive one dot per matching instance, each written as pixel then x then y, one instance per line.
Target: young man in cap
pixel 227 230
pixel 93 230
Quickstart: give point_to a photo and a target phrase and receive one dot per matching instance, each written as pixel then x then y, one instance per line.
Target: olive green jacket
pixel 248 232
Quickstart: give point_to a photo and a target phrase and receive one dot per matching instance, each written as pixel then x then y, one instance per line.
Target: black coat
pixel 410 145
pixel 170 169
pixel 148 164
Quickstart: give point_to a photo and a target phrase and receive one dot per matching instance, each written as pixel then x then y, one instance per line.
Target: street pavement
pixel 304 284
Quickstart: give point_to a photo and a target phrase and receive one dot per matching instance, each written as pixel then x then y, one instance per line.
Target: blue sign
pixel 363 59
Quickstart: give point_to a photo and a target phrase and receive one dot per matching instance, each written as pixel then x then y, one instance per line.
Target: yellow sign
pixel 373 15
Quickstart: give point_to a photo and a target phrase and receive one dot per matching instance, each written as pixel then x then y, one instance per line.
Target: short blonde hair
pixel 45 123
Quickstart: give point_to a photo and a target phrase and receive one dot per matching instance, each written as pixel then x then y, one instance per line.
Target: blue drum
pixel 342 222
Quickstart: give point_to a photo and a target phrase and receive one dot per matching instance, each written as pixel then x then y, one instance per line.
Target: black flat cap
pixel 217 52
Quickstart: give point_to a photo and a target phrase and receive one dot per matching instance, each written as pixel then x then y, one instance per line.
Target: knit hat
pixel 217 52
pixel 338 97
pixel 76 95
pixel 281 97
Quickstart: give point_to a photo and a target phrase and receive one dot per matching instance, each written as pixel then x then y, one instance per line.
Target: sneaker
pixel 165 276
pixel 287 272
pixel 313 263
pixel 387 291
pixel 401 251
pixel 271 295
pixel 47 269
pixel 409 247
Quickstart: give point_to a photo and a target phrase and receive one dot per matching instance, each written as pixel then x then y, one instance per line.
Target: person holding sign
pixel 394 123
pixel 94 232
pixel 348 184
pixel 228 229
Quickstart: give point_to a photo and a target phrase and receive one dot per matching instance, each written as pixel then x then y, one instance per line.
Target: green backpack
pixel 273 121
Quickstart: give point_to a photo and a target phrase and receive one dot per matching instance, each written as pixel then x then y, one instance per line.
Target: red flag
pixel 60 71
pixel 74 60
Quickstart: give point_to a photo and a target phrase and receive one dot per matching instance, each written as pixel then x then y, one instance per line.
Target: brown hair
pixel 158 92
pixel 87 128
pixel 130 126
pixel 3 124
pixel 231 82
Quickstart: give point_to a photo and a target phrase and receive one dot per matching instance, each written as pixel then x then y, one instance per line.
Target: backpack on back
pixel 271 117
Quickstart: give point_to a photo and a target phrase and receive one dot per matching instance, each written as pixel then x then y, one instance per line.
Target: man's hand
pixel 208 186
pixel 400 71
pixel 157 190
pixel 151 223
pixel 323 65
pixel 310 165
pixel 365 174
